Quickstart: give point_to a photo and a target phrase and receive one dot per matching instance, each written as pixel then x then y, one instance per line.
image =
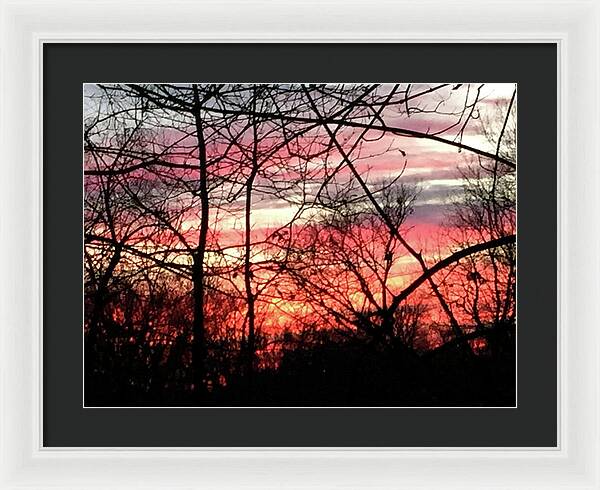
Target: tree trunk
pixel 198 273
pixel 250 299
pixel 251 347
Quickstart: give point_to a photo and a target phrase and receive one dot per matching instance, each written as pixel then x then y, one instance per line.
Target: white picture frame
pixel 26 26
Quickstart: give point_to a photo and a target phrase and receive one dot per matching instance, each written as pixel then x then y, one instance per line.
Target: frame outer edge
pixel 23 462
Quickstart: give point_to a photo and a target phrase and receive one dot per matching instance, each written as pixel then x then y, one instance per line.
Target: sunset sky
pixel 247 243
pixel 433 167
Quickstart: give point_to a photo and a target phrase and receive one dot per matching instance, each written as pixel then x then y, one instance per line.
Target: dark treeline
pixel 196 295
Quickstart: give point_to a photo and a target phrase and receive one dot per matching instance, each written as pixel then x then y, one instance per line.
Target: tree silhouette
pixel 239 244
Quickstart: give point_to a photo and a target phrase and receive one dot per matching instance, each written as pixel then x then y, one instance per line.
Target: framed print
pixel 332 254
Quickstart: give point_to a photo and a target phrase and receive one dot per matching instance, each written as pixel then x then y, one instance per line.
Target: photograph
pixel 294 244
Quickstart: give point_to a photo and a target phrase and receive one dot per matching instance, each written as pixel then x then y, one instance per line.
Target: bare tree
pixel 178 178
